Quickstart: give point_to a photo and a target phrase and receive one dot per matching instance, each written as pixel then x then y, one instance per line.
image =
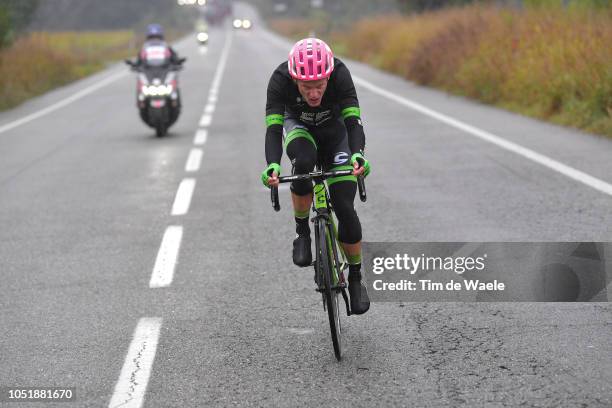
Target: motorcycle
pixel 158 96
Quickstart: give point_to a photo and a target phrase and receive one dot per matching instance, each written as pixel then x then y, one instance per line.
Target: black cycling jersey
pixel 339 101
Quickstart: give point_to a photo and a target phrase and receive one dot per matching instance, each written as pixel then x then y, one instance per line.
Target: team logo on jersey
pixel 315 119
pixel 323 116
pixel 340 158
pixel 307 117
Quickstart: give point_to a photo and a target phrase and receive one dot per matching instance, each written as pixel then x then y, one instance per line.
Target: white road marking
pixel 300 331
pixel 194 160
pixel 546 161
pixel 182 201
pixel 212 99
pixel 221 67
pixel 90 89
pixel 200 137
pixel 163 271
pixel 132 385
pixel 206 120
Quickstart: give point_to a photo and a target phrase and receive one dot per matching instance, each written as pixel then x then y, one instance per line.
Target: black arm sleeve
pixel 356 136
pixel 275 109
pixel 349 104
pixel 274 144
pixel 173 55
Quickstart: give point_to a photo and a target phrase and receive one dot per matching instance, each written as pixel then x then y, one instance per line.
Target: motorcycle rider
pixel 154 41
pixel 157 54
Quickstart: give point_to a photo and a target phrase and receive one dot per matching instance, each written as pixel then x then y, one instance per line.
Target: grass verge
pixel 38 62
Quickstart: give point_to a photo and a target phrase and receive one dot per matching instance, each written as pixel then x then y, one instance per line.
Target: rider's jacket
pixel 156 53
pixel 339 102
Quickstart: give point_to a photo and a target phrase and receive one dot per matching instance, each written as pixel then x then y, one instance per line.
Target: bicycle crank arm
pixel 340 288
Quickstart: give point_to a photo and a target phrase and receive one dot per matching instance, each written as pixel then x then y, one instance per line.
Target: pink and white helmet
pixel 310 59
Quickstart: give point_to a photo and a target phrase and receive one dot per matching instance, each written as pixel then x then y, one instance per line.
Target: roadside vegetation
pixel 38 62
pixel 546 61
pixel 46 44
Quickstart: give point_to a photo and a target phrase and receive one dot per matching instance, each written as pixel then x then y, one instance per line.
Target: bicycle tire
pixel 335 264
pixel 160 130
pixel 331 295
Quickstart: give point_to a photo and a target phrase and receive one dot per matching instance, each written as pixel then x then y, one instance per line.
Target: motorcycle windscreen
pixel 153 73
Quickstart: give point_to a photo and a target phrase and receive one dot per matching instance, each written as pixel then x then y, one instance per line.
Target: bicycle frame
pixel 324 213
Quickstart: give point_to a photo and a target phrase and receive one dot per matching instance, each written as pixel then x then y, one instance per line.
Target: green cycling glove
pixel 265 175
pixel 363 162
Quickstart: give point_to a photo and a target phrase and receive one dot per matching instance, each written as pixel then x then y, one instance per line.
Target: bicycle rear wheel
pixel 326 265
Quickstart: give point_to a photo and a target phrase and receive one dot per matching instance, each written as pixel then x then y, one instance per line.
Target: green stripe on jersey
pixel 352 111
pixel 274 119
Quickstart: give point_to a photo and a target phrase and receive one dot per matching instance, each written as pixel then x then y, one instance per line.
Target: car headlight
pixel 160 90
pixel 237 23
pixel 246 24
pixel 202 37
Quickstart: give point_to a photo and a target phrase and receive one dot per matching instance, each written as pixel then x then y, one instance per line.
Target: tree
pixel 5 26
pixel 103 15
pixel 15 15
pixel 422 5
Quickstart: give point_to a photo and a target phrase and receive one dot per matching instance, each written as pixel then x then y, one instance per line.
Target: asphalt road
pixel 87 197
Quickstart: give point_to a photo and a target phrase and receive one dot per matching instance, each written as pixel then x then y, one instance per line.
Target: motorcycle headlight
pixel 160 90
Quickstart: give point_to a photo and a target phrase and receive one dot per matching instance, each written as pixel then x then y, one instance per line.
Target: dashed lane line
pixel 200 137
pixel 194 160
pixel 182 201
pixel 134 378
pixel 167 256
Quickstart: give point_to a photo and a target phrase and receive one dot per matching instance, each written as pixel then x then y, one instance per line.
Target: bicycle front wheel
pixel 326 265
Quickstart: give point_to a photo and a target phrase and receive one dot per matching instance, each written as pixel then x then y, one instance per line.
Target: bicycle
pixel 329 272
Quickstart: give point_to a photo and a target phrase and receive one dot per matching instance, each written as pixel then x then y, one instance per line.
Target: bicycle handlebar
pixel 274 198
pixel 317 174
pixel 362 190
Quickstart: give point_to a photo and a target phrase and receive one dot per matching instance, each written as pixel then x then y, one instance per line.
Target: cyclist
pixel 312 107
